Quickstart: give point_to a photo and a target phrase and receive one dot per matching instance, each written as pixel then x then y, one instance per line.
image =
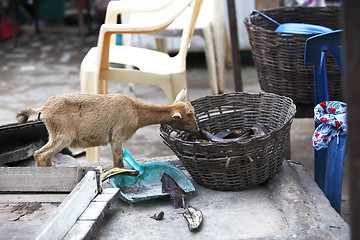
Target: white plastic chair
pixel 155 68
pixel 210 26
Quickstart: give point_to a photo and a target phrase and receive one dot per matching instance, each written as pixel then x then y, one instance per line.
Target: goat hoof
pixel 43 164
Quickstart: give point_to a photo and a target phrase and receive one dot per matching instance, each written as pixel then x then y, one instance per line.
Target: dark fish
pixel 177 194
pixel 213 138
pixel 259 130
pixel 229 134
pixel 193 136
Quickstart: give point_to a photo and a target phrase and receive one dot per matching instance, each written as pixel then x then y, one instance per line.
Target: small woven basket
pixel 279 57
pixel 236 165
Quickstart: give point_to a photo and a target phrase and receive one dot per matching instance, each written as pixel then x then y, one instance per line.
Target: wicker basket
pixel 279 57
pixel 236 165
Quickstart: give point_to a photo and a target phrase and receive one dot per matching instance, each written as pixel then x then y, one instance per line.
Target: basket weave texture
pixel 235 165
pixel 279 57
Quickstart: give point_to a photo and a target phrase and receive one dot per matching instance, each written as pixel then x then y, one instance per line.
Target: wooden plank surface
pixel 94 213
pixel 81 230
pixel 23 220
pixel 32 198
pixel 71 208
pixel 40 179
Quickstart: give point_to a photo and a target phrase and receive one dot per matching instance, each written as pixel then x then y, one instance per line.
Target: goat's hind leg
pixel 44 155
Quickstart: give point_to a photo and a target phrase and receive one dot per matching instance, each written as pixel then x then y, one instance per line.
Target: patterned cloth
pixel 331 117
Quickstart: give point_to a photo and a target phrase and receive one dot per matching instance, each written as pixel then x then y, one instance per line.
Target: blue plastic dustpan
pixel 297 28
pixel 302 28
pixel 147 185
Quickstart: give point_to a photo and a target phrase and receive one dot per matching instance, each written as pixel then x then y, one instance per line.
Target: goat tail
pixel 24 115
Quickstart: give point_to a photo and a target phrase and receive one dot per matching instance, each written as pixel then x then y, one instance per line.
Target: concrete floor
pixel 47 64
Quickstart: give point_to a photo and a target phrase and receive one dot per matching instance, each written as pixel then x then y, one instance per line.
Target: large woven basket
pixel 236 165
pixel 279 57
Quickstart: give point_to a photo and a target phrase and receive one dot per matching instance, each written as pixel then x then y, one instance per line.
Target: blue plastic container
pixel 302 28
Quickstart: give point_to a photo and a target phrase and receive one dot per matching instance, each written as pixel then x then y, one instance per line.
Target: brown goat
pixel 89 120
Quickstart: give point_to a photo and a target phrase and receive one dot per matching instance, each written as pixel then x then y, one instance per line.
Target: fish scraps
pixel 177 194
pixel 205 135
pixel 194 217
pixel 159 216
pixel 109 172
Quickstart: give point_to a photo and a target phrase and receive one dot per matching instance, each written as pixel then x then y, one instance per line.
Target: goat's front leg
pixel 117 152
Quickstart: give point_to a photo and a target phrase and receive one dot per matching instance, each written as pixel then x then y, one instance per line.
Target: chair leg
pixel 320 167
pixel 334 168
pixel 87 82
pixel 161 45
pixel 80 18
pixel 103 88
pixel 210 59
pixel 220 48
pixel 229 63
pixel 92 154
pixel 329 165
pixel 176 84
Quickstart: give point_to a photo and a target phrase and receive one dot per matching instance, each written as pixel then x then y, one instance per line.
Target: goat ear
pixel 176 116
pixel 181 95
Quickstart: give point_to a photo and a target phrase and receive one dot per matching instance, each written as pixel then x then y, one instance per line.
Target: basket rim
pixel 258 139
pixel 247 20
pixel 249 141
